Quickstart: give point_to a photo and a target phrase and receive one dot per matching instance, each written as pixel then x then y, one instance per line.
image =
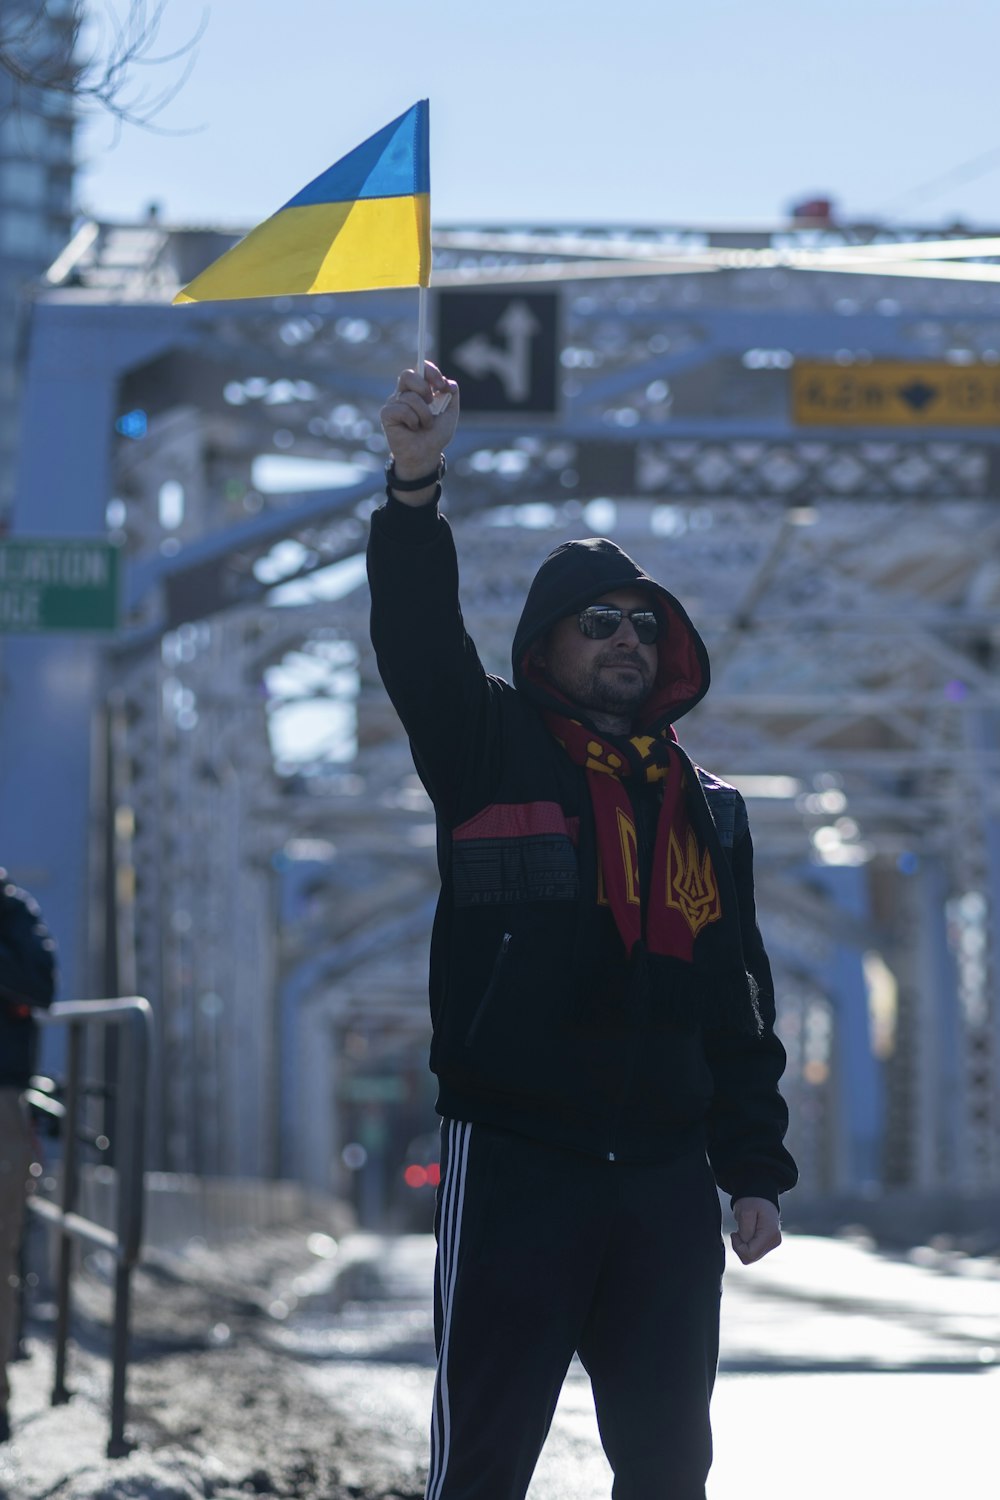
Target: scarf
pixel 684 889
pixel 681 937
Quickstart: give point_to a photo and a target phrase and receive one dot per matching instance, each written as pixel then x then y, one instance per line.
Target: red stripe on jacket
pixel 519 820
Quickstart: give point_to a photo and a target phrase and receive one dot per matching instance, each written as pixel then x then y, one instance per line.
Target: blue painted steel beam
pixel 857 1074
pixel 50 771
pixel 942 1145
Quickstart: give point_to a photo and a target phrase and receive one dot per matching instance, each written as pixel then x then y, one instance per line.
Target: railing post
pixel 124 1241
pixel 118 1445
pixel 131 1117
pixel 60 1393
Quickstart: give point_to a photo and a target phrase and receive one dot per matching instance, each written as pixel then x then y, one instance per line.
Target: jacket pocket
pixel 490 990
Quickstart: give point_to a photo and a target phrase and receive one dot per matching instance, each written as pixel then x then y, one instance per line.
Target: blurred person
pixel 601 999
pixel 27 979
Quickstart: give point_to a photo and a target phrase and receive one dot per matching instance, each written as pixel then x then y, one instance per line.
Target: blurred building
pixel 36 195
pixel 796 429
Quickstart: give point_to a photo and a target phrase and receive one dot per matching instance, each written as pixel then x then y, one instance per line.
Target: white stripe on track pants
pixel 542 1252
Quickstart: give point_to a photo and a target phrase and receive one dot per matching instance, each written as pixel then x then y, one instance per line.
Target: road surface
pixel 844 1373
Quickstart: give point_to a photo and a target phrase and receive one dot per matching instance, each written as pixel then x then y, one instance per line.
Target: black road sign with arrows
pixel 502 348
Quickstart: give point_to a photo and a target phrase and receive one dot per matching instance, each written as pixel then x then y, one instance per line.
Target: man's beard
pixel 607 692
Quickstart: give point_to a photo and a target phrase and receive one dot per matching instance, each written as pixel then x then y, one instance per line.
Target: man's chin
pixel 624 702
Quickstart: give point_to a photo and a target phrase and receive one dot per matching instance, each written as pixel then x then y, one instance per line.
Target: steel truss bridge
pixel 217 808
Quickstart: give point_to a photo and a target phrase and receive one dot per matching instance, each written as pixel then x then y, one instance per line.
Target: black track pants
pixel 543 1252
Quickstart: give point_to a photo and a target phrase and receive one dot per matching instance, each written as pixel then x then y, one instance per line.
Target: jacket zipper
pixel 623 1097
pixel 490 989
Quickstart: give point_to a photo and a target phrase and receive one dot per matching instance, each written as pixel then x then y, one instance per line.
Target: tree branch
pixel 40 49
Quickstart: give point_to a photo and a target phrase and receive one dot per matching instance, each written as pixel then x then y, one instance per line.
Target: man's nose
pixel 626 635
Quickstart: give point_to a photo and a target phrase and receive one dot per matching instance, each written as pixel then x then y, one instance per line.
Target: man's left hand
pixel 758 1228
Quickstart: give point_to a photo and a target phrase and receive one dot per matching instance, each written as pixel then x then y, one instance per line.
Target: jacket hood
pixel 576 574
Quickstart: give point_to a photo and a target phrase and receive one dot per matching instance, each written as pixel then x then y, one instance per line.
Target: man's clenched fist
pixel 416 435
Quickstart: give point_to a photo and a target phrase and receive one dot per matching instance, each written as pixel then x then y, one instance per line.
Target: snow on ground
pixel 217 1407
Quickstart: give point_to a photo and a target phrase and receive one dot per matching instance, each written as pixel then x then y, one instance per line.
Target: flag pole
pixel 442 400
pixel 421 329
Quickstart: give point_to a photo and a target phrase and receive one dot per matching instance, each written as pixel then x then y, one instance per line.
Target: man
pixel 601 1000
pixel 26 980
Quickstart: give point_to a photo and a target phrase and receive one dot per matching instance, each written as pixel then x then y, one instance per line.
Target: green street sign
pixel 58 585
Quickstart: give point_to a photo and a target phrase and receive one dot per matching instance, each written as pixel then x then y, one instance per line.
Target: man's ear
pixel 536 655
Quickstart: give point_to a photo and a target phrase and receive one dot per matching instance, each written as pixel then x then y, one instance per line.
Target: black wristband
pixel 405 486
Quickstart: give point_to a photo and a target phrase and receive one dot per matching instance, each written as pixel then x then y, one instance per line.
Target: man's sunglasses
pixel 598 622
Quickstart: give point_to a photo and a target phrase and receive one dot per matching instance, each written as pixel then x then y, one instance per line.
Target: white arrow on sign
pixel 510 362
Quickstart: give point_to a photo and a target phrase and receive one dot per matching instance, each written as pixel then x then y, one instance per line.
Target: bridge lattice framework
pixel 847 583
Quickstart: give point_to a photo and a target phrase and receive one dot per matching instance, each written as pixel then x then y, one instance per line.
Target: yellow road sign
pixel 895 393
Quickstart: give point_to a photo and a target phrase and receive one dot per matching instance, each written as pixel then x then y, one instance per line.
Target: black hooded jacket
pixel 27 980
pixel 536 1025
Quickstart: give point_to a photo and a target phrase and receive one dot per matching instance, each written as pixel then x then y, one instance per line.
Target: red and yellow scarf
pixel 683 897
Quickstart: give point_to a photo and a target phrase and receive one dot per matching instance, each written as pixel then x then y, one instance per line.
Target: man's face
pixel 610 677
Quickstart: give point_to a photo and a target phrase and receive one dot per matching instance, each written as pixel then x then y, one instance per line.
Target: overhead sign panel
pixel 502 348
pixel 895 393
pixel 58 585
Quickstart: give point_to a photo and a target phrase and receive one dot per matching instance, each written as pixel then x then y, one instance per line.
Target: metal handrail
pixel 124 1242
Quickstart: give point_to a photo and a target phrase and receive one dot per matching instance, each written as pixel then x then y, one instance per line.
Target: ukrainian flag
pixel 365 222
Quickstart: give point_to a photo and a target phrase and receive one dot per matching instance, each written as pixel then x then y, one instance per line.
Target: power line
pixel 969 171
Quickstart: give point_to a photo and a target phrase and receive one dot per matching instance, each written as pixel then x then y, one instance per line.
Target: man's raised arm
pixel 427 661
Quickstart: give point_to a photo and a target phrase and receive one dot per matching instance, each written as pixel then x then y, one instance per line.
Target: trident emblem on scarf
pixel 691 887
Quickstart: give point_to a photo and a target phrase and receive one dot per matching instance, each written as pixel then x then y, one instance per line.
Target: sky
pixel 626 111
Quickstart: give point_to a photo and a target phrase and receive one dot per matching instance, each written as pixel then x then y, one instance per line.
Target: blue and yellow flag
pixel 364 222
